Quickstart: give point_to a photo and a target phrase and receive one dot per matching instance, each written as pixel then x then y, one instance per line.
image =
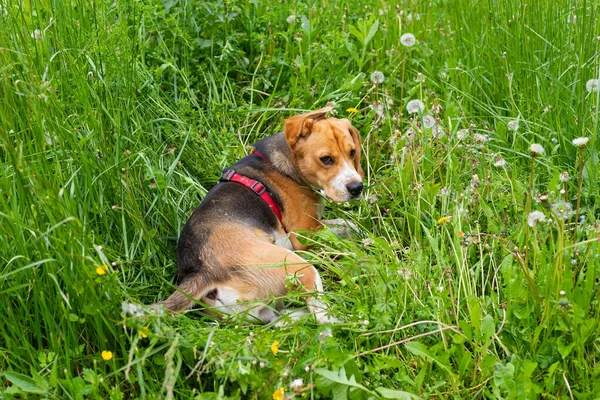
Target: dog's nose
pixel 354 188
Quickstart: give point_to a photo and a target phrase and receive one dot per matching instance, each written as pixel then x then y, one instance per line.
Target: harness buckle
pixel 227 175
pixel 258 188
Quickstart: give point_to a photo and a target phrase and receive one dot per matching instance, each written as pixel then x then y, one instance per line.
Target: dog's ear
pixel 300 126
pixel 356 137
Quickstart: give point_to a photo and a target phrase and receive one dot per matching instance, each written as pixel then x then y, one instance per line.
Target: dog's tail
pixel 183 298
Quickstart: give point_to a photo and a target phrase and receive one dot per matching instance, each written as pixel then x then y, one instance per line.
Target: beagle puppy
pixel 236 249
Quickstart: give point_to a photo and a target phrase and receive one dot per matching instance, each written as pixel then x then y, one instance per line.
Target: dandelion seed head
pixel 291 19
pixel 536 149
pixel 415 106
pixel 563 209
pixel 420 78
pixel 296 384
pixel 408 40
pixel 562 293
pixel 481 138
pixel 377 77
pixel 593 85
pixel 132 309
pixel 535 217
pixel 513 125
pixel 428 121
pixel 462 133
pixel 499 161
pixel 36 34
pixel 581 142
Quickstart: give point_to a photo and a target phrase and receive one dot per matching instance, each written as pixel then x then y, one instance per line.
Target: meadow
pixel 474 269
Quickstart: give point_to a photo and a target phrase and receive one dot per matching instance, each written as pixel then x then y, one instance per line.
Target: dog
pixel 236 249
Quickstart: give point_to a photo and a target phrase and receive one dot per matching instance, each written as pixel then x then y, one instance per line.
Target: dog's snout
pixel 354 188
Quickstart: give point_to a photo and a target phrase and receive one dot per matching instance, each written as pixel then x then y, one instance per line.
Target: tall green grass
pixel 117 117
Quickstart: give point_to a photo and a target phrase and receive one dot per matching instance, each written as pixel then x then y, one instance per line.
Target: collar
pixel 230 175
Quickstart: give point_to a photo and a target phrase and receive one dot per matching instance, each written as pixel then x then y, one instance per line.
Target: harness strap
pixel 230 175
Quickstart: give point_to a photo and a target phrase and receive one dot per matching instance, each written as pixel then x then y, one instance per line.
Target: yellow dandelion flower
pixel 107 355
pixel 352 110
pixel 443 220
pixel 143 332
pixel 275 347
pixel 278 394
pixel 101 270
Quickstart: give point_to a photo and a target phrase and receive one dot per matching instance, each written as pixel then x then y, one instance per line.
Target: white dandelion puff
pixel 377 77
pixel 536 149
pixel 297 384
pixel 481 138
pixel 291 19
pixel 513 125
pixel 420 77
pixel 36 34
pixel 462 134
pixel 415 106
pixel 132 309
pixel 563 209
pixel 499 161
pixel 564 176
pixel 581 142
pixel 593 85
pixel 428 121
pixel 535 217
pixel 408 39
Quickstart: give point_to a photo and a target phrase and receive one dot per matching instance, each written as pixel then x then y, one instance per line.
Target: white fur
pixel 338 184
pixel 283 241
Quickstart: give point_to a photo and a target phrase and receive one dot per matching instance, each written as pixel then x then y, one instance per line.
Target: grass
pixel 117 117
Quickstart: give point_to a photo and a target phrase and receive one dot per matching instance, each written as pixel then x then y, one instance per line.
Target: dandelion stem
pixel 578 192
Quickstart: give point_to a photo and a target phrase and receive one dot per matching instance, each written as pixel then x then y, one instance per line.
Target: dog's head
pixel 326 153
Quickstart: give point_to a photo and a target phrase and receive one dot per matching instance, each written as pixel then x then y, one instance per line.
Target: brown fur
pixel 241 260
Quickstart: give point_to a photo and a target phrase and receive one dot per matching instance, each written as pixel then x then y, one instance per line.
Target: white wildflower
pixel 581 142
pixel 415 106
pixel 420 77
pixel 291 19
pixel 462 133
pixel 408 39
pixel 564 176
pixel 535 217
pixel 513 125
pixel 536 149
pixel 377 77
pixel 37 34
pixel 593 85
pixel 428 121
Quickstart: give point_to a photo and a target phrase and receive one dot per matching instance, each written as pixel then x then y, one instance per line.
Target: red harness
pixel 229 175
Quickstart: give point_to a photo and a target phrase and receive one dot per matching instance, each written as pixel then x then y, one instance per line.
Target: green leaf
pixel 340 377
pixel 396 394
pixel 488 327
pixel 372 32
pixel 420 350
pixel 25 383
pixel 357 33
pixel 475 313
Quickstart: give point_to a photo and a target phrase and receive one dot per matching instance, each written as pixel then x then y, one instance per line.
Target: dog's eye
pixel 327 160
pixel 352 153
